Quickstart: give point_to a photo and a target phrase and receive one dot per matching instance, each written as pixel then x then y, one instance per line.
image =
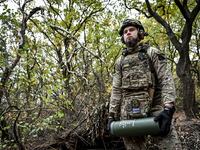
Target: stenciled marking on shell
pixel 124 123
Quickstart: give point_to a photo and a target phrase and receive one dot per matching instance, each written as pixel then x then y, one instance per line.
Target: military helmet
pixel 130 22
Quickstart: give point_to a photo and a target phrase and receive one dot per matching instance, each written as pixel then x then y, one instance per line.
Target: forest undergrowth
pixel 91 134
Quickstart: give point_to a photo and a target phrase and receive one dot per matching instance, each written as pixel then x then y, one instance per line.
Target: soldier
pixel 142 78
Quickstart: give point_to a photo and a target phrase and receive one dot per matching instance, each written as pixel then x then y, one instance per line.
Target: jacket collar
pixel 134 50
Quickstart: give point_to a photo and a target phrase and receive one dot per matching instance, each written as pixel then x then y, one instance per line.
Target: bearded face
pixel 131 36
pixel 132 42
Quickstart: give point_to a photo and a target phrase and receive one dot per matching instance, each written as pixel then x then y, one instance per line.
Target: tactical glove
pixel 110 120
pixel 165 118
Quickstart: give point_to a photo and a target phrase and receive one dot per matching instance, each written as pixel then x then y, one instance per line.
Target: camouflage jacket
pixel 163 75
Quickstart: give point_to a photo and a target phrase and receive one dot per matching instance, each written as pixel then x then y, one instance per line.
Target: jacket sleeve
pixel 164 75
pixel 116 94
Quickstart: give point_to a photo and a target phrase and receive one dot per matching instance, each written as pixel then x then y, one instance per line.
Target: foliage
pixel 54 72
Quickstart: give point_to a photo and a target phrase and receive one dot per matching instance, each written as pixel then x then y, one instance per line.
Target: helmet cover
pixel 130 22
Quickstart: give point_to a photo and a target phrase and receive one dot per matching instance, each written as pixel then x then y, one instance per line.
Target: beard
pixel 131 43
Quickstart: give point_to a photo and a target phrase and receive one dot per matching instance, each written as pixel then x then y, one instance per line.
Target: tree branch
pixel 187 30
pixel 137 10
pixel 2 1
pixel 13 64
pixel 165 25
pixel 60 28
pixel 183 8
pixel 195 11
pixel 23 6
pixel 34 11
pixel 21 147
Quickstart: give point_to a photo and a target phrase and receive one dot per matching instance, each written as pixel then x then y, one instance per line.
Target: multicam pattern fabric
pixel 135 75
pixel 163 77
pixel 136 79
pixel 138 111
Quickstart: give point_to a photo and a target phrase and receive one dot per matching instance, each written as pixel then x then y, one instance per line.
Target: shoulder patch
pixel 126 64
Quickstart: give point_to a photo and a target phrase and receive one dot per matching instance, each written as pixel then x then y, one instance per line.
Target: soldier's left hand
pixel 110 120
pixel 164 118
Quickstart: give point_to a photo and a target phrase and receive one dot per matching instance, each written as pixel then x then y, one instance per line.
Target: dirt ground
pixel 188 131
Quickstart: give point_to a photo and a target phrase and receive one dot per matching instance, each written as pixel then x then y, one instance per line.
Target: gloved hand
pixel 109 122
pixel 165 118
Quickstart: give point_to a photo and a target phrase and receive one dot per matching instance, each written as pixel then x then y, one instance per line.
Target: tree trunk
pixel 184 73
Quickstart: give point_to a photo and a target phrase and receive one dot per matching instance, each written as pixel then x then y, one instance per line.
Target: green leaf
pixel 60 114
pixel 15 146
pixel 5 128
pixel 2 118
pixel 61 96
pixel 55 88
pixel 49 92
pixel 44 124
pixel 74 125
pixel 43 98
pixel 35 135
pixel 32 131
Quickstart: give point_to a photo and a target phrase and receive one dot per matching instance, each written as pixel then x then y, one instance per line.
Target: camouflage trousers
pixel 170 142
